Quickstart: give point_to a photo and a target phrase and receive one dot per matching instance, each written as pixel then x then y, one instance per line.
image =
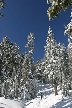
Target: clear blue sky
pixel 24 16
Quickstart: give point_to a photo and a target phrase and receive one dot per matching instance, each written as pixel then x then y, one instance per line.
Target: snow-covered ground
pixel 49 100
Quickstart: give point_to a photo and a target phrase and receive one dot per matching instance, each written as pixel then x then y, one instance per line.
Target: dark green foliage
pixel 57 6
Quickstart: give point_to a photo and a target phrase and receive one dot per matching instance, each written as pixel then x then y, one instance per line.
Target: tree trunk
pixel 52 81
pixel 16 91
pixel 16 84
pixel 61 82
pixel 55 88
pixel 6 89
pixel 70 87
pixel 0 89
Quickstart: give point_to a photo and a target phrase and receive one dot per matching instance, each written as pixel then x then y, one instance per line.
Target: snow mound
pixel 7 103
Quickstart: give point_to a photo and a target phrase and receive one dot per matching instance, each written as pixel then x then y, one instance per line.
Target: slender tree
pixel 51 59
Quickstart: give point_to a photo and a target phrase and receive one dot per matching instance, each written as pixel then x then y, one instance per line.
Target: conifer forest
pixel 20 74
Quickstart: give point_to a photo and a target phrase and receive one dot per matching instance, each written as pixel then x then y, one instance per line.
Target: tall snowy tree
pixel 64 70
pixel 30 49
pixel 51 59
pixel 10 67
pixel 25 75
pixel 16 60
pixel 29 67
pixel 5 47
pixel 62 63
pixel 68 31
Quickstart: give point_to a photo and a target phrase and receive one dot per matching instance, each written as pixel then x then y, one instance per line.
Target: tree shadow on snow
pixel 29 103
pixel 65 103
pixel 46 89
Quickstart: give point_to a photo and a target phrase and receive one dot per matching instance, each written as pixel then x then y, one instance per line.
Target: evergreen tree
pixel 30 49
pixel 38 66
pixel 16 60
pixel 70 61
pixel 29 65
pixel 10 67
pixel 62 63
pixel 5 47
pixel 51 59
pixel 68 31
pixel 25 74
pixel 64 70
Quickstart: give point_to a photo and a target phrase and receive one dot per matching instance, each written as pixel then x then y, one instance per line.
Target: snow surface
pixel 49 100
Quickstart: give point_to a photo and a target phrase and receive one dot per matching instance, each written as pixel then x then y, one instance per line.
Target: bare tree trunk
pixel 61 82
pixel 0 89
pixel 52 81
pixel 15 92
pixel 15 88
pixel 6 89
pixel 70 86
pixel 55 88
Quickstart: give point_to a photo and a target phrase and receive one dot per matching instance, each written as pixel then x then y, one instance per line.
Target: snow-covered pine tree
pixel 25 67
pixel 16 63
pixel 70 61
pixel 5 47
pixel 30 83
pixel 38 66
pixel 44 74
pixel 10 67
pixel 61 54
pixel 25 75
pixel 67 74
pixel 68 31
pixel 63 68
pixel 30 49
pixel 52 60
pixel 1 74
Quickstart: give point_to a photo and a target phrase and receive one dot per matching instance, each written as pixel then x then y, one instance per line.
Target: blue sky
pixel 24 16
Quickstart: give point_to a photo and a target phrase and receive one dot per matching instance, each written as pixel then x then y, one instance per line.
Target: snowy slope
pixel 49 99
